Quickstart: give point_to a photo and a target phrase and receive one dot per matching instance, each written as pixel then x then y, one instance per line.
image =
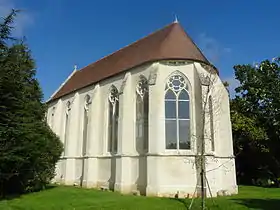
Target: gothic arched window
pixel 177 113
pixel 113 116
pixel 142 115
pixel 85 124
pixel 66 125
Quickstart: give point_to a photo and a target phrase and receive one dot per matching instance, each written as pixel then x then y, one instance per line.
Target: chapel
pixel 140 119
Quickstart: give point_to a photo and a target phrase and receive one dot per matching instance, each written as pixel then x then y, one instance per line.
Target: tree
pixel 255 114
pixel 214 96
pixel 29 149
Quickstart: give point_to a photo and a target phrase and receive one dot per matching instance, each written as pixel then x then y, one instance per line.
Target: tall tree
pixel 255 114
pixel 29 150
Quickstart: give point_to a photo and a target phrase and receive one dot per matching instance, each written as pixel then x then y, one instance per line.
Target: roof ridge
pixel 160 29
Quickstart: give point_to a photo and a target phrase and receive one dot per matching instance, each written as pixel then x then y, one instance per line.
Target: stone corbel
pixel 153 74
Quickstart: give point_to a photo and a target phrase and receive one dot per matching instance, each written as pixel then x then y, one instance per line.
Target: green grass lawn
pixel 61 197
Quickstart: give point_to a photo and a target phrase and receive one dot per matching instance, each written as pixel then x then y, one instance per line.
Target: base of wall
pixel 171 191
pixel 171 183
pixel 188 191
pixel 70 182
pixel 89 184
pixel 122 188
pixel 152 191
pixel 228 191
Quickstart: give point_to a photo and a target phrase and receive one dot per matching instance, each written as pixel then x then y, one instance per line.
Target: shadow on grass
pixel 264 204
pixel 183 201
pixel 14 196
pixel 196 203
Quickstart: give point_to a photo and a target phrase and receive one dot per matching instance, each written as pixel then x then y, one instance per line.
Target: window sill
pixel 179 152
pixel 211 153
pixel 110 154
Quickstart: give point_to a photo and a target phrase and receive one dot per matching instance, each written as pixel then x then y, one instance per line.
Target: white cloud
pixel 22 21
pixel 212 48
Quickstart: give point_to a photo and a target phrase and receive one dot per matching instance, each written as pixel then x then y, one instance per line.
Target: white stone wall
pixel 220 163
pixel 159 172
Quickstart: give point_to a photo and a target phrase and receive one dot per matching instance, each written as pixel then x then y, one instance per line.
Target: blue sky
pixel 62 33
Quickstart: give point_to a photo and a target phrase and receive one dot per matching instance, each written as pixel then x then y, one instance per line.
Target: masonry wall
pixel 220 162
pixel 160 172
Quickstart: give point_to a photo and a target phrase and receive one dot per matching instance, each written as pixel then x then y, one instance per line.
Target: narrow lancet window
pixel 85 124
pixel 113 116
pixel 66 128
pixel 142 115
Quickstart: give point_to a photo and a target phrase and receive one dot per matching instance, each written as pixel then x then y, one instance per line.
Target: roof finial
pixel 176 19
pixel 75 67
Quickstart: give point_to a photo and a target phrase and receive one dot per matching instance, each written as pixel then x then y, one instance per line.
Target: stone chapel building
pixel 135 120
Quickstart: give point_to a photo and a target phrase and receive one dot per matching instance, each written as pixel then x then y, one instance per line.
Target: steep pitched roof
pixel 171 42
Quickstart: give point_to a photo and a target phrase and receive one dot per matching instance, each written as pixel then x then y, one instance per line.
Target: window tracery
pixel 87 103
pixel 142 115
pixel 113 115
pixel 66 126
pixel 177 113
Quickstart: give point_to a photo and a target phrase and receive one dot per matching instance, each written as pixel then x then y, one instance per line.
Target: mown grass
pixel 72 198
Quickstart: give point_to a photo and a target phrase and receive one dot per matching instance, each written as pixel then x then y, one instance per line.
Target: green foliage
pixel 255 115
pixel 5 28
pixel 29 150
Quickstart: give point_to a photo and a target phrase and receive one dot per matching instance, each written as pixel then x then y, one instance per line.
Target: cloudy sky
pixel 62 33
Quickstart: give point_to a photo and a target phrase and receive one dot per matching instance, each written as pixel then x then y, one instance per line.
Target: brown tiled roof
pixel 171 42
